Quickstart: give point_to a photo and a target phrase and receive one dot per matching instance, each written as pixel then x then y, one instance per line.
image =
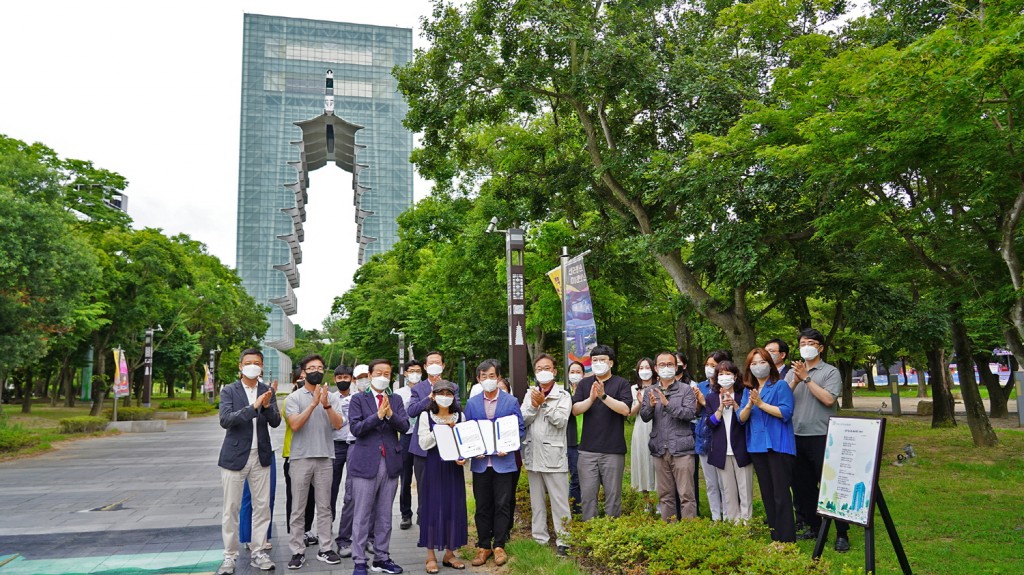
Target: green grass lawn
pixel 39 429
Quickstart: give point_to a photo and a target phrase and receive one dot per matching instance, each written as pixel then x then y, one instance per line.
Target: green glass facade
pixel 283 65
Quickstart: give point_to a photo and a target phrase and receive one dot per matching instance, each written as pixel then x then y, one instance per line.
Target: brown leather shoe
pixel 481 556
pixel 500 557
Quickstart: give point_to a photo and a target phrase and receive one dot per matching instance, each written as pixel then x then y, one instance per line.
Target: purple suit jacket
pixel 374 436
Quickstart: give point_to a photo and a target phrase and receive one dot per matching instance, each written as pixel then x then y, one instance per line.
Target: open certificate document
pixel 462 442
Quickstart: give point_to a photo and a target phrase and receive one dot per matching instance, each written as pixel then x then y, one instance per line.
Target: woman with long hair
pixel 641 465
pixel 767 412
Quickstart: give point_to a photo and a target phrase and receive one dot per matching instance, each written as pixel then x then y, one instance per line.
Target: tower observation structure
pixel 308 88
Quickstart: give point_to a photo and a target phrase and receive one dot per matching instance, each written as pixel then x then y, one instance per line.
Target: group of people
pixel 770 419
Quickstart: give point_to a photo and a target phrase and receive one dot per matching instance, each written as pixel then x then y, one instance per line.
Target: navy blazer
pixel 373 433
pixel 236 415
pixel 737 433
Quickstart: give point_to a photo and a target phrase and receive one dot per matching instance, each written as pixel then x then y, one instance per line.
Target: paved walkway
pixel 146 503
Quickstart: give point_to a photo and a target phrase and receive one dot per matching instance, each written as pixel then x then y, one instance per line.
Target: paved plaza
pixel 139 503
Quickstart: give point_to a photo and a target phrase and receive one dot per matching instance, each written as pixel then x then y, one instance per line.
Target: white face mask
pixel 575 378
pixel 489 385
pixel 362 384
pixel 667 372
pixel 726 381
pixel 808 352
pixel 600 367
pixel 380 383
pixel 646 374
pixel 709 371
pixel 252 371
pixel 444 400
pixel 760 370
pixel 435 369
pixel 413 377
pixel 544 377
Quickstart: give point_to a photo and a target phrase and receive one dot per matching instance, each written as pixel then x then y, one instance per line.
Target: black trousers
pixel 810 457
pixel 493 493
pixel 405 491
pixel 774 475
pixel 337 469
pixel 310 502
pixel 418 465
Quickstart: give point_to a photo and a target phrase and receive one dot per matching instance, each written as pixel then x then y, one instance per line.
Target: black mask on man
pixel 315 378
pixel 344 385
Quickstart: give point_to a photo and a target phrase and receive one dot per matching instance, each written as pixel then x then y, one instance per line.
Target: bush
pixel 13 437
pixel 637 544
pixel 131 413
pixel 83 424
pixel 198 407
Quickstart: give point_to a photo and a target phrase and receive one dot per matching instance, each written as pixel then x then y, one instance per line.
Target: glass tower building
pixel 284 61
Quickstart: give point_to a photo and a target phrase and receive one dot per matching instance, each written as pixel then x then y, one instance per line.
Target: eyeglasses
pixel 314 370
pixel 661 365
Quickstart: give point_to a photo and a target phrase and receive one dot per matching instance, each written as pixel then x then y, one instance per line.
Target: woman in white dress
pixel 641 465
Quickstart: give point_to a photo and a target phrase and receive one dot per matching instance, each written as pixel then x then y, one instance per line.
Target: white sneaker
pixel 261 561
pixel 227 567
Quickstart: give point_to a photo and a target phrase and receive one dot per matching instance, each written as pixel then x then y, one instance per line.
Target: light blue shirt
pixel 765 432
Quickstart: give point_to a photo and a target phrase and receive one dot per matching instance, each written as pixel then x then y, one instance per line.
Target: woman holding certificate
pixel 494 472
pixel 443 523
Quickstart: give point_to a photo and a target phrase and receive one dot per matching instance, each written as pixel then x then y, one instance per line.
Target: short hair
pixel 343 370
pixel 719 355
pixel 661 353
pixel 377 362
pixel 600 349
pixel 488 364
pixel 545 356
pixel 250 351
pixel 811 333
pixel 725 365
pixel 412 363
pixel 783 346
pixel 583 368
pixel 311 357
pixel 749 381
pixel 437 353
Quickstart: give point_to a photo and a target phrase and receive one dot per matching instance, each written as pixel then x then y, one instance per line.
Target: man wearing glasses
pixel 312 413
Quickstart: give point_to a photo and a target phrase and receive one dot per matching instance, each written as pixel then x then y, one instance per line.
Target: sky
pixel 152 91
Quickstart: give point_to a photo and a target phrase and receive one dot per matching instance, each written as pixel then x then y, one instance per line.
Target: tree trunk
pixel 195 382
pixel 943 407
pixel 26 399
pixel 99 378
pixel 997 403
pixel 977 419
pixel 169 382
pixel 69 384
pixel 906 376
pixel 869 375
pixel 846 372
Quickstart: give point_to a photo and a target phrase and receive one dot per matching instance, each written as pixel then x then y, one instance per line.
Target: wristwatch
pixel 806 379
pixel 604 396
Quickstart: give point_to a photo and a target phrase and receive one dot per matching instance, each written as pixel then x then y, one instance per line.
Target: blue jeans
pixel 574 479
pixel 245 513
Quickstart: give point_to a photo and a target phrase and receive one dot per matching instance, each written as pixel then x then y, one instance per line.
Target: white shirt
pixel 727 422
pixel 251 395
pixel 406 394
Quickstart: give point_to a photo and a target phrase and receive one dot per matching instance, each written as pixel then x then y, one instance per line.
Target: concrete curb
pixel 151 426
pixel 172 415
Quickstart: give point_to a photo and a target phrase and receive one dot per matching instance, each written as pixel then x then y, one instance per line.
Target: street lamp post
pixel 401 357
pixel 515 248
pixel 147 362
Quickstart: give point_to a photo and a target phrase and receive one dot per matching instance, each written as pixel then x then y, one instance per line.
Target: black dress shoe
pixel 842 544
pixel 406 523
pixel 806 534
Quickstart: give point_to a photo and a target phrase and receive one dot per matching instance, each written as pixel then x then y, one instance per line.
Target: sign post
pixel 849 485
pixel 515 248
pixel 894 394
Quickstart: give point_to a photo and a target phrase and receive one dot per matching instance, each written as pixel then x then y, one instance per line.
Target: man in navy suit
pixel 247 408
pixel 376 419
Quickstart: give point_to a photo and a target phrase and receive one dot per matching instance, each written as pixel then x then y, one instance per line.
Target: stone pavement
pixel 139 503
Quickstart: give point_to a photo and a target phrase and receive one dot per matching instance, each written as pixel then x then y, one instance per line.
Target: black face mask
pixel 316 378
pixel 344 385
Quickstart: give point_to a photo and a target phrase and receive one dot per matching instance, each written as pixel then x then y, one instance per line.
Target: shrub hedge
pixel 641 545
pixel 131 413
pixel 84 424
pixel 13 437
pixel 198 407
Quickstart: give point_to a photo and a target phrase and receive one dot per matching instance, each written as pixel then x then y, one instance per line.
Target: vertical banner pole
pixel 564 260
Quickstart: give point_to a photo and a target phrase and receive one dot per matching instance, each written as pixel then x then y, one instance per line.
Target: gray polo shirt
pixel 340 402
pixel 316 438
pixel 810 416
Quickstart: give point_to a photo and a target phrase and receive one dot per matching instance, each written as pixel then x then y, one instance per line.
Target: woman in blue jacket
pixel 728 451
pixel 767 413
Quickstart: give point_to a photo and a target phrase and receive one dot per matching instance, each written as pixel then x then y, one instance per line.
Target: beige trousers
pixel 738 487
pixel 233 482
pixel 674 473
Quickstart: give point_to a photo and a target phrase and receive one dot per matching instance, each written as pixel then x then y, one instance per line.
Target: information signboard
pixel 849 474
